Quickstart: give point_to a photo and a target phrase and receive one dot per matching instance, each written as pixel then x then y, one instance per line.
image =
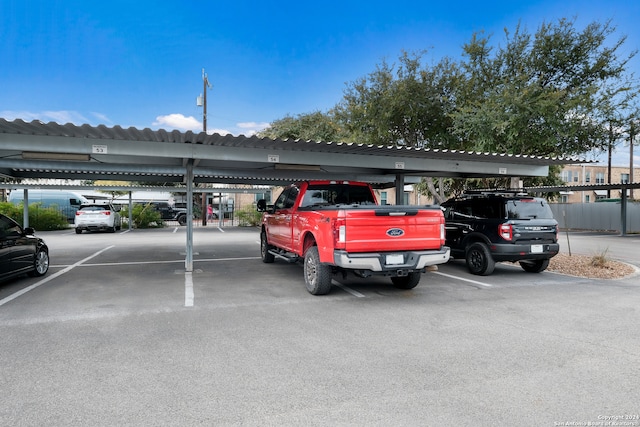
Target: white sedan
pixel 97 217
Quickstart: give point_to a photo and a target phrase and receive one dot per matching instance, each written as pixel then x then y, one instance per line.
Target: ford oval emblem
pixel 395 232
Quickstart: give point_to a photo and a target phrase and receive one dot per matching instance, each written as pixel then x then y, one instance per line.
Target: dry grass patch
pixel 597 266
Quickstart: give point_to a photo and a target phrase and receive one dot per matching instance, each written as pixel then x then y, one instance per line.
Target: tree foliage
pixel 560 91
pixel 552 93
pixel 315 126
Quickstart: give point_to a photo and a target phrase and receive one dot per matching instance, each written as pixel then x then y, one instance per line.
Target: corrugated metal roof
pixel 133 134
pixel 144 154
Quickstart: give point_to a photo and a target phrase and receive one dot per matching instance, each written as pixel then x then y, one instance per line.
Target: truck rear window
pixel 332 194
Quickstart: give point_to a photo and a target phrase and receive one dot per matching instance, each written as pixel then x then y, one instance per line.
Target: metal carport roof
pixel 50 150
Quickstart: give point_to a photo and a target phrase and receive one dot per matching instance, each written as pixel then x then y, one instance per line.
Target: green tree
pixel 405 104
pixel 316 126
pixel 549 94
pixel 560 92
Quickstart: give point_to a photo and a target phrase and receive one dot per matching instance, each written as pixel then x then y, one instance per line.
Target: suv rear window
pixel 528 209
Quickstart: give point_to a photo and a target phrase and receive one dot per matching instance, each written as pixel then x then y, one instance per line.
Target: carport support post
pixel 25 208
pixel 130 211
pixel 399 189
pixel 188 262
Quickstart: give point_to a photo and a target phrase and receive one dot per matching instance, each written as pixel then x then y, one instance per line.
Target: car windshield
pixel 528 209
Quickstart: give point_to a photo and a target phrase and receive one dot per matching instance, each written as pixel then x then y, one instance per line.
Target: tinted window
pixel 528 209
pixel 337 194
pixel 287 198
pixel 9 228
pixel 474 209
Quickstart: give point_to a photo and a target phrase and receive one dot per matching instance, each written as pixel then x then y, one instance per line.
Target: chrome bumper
pixel 412 260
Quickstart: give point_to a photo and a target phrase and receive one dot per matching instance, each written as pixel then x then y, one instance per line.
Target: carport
pixel 36 150
pixel 624 189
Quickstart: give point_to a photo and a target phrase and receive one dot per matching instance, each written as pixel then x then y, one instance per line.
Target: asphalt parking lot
pixel 118 334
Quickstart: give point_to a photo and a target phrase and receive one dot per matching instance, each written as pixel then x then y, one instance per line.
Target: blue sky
pixel 139 63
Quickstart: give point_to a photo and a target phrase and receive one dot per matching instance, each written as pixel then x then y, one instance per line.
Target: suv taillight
pixel 506 231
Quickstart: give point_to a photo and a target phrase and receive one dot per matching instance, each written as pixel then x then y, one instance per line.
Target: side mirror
pixel 29 231
pixel 261 206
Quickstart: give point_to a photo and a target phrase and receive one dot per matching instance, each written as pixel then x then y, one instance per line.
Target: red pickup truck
pixel 337 227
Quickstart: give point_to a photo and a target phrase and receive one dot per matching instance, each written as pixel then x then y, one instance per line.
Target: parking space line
pixel 188 289
pixel 486 285
pixel 51 277
pixel 348 289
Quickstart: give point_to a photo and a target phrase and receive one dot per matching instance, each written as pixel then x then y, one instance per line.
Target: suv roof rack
pixel 508 192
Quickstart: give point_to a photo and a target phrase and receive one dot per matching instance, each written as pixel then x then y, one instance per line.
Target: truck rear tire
pixel 317 276
pixel 267 257
pixel 407 282
pixel 182 220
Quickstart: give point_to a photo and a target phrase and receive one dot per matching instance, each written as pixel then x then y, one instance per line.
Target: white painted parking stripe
pixel 51 277
pixel 175 261
pixel 348 289
pixel 486 285
pixel 188 289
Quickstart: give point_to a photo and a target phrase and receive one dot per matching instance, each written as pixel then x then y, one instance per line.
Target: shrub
pixel 143 216
pixel 39 218
pixel 600 260
pixel 248 216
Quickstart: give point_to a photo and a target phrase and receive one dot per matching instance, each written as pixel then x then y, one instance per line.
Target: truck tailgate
pixel 393 228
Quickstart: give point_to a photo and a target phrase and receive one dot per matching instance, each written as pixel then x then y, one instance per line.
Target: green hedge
pixel 248 216
pixel 39 218
pixel 143 216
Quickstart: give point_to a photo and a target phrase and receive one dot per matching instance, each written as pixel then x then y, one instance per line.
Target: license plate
pixel 537 249
pixel 395 259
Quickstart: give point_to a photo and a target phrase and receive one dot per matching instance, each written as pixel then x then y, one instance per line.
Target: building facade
pixel 586 174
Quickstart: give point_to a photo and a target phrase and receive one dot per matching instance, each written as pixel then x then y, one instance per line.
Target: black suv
pixel 169 213
pixel 486 227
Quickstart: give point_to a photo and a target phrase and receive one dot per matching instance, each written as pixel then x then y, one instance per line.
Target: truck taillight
pixel 339 233
pixel 506 231
pixel 442 234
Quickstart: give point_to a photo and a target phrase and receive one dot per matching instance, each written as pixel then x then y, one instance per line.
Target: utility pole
pixel 632 136
pixel 609 158
pixel 202 101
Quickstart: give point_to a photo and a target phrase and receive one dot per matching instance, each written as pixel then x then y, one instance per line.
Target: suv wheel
pixel 479 260
pixel 535 266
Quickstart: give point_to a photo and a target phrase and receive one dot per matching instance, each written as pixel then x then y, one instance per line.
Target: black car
pixel 488 227
pixel 20 251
